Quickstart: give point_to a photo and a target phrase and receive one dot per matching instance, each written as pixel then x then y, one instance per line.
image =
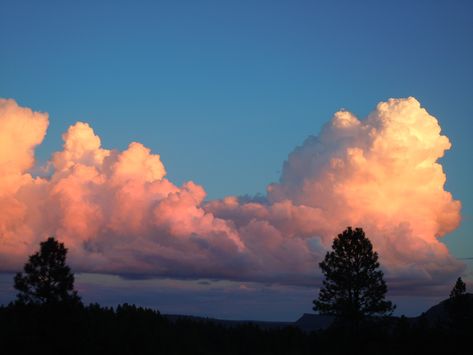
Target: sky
pixel 258 137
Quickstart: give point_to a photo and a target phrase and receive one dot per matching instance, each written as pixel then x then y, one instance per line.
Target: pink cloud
pixel 118 213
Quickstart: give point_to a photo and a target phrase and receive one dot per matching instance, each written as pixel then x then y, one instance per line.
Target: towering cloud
pixel 21 130
pixel 380 173
pixel 117 212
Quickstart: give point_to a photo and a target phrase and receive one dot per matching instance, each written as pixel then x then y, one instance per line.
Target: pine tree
pixel 458 307
pixel 458 290
pixel 46 278
pixel 353 286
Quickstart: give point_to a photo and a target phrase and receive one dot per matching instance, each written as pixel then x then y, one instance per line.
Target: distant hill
pixel 439 313
pixel 312 322
pixel 230 323
pixel 307 322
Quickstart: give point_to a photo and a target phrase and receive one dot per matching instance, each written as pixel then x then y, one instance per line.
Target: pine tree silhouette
pixel 459 289
pixel 46 278
pixel 353 286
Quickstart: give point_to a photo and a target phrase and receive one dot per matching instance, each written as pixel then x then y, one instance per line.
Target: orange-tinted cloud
pixel 117 212
pixel 380 173
pixel 21 130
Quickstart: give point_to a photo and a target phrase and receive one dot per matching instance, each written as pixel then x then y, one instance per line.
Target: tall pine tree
pixel 353 286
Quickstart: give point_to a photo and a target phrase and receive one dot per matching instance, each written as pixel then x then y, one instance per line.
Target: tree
pixel 46 278
pixel 459 307
pixel 353 286
pixel 458 290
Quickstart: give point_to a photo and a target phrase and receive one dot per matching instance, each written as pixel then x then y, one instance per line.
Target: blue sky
pixel 224 90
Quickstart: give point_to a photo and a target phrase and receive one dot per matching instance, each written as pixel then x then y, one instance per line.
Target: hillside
pixel 438 314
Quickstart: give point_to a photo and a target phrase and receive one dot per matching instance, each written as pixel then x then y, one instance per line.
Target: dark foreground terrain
pixel 128 329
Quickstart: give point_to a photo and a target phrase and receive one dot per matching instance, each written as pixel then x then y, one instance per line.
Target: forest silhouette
pixel 49 317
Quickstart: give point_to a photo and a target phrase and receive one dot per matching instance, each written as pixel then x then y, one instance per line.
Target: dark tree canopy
pixel 46 278
pixel 353 286
pixel 459 289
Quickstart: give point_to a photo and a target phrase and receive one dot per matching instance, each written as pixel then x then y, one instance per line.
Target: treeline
pixel 127 329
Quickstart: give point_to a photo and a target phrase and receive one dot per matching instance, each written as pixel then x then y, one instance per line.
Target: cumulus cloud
pixel 380 173
pixel 21 130
pixel 118 213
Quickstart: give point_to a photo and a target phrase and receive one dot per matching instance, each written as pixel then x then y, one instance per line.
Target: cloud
pixel 21 130
pixel 118 213
pixel 380 173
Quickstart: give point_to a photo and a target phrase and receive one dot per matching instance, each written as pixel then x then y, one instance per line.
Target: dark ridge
pixel 312 322
pixel 439 314
pixel 307 322
pixel 230 323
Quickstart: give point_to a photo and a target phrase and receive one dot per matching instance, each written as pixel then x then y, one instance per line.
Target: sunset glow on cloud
pixel 117 212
